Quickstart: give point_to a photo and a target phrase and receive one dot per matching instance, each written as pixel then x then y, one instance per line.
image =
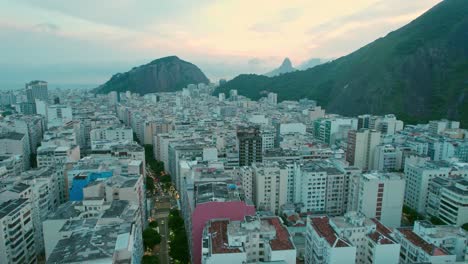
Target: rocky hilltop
pixel 166 74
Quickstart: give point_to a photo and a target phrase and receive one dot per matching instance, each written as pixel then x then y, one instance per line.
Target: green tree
pixel 179 247
pixel 175 222
pixel 465 226
pixel 411 214
pixel 148 259
pixel 155 165
pixel 151 238
pixel 436 221
pixel 150 184
pixel 153 224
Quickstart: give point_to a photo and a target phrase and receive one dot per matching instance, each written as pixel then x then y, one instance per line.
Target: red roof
pixel 381 228
pixel 219 238
pixel 282 240
pixel 322 227
pixel 380 239
pixel 429 248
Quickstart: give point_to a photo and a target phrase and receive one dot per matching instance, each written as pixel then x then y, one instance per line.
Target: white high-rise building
pixel 37 90
pixel 454 204
pixel 58 115
pixel 438 126
pixel 418 174
pixel 272 98
pixel 113 97
pixel 221 97
pixel 253 240
pixel 12 143
pixel 246 174
pixel 111 134
pixel 388 124
pixel 361 147
pixel 379 195
pixel 268 139
pixel 385 158
pixel 270 181
pixel 426 243
pixel 44 189
pixel 17 243
pixel 351 239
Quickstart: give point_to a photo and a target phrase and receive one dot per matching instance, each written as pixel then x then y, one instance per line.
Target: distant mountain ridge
pixel 168 74
pixel 418 72
pixel 285 67
pixel 310 63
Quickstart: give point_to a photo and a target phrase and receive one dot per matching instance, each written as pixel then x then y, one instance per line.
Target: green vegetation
pixel 135 138
pixel 411 215
pixel 179 246
pixel 155 165
pixel 33 160
pixel 417 72
pixel 153 224
pixel 465 226
pixel 150 187
pixel 436 221
pixel 151 238
pixel 168 74
pixel 6 113
pixel 148 259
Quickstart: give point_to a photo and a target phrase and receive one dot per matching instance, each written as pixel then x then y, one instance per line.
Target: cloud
pixel 290 14
pixel 255 62
pixel 121 13
pixel 223 37
pixel 263 28
pixel 382 9
pixel 47 27
pixel 277 22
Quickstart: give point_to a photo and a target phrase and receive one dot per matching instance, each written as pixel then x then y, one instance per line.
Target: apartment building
pixel 352 238
pixel 379 195
pixel 253 240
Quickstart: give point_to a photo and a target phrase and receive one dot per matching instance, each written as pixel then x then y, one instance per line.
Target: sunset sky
pixel 86 41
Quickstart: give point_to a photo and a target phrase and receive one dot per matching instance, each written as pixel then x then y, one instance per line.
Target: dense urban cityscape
pixel 186 176
pixel 234 132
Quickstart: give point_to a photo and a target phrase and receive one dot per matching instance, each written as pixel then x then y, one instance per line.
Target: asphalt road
pixel 161 213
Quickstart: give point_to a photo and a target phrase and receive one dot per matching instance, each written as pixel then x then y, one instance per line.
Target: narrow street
pixel 163 202
pixel 161 213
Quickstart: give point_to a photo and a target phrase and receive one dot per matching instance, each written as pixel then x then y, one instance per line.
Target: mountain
pixel 285 67
pixel 418 72
pixel 166 74
pixel 310 63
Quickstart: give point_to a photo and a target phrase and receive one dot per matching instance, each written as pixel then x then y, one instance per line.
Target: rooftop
pixel 215 191
pixel 323 228
pixel 89 244
pixel 219 238
pixel 381 239
pixel 416 240
pixel 11 135
pixel 9 206
pixel 282 240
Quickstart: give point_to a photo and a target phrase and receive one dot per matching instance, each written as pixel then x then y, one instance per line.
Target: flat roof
pixel 219 238
pixel 11 135
pixel 89 244
pixel 9 206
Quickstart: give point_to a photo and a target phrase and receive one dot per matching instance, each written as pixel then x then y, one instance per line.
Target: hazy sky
pixel 86 41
